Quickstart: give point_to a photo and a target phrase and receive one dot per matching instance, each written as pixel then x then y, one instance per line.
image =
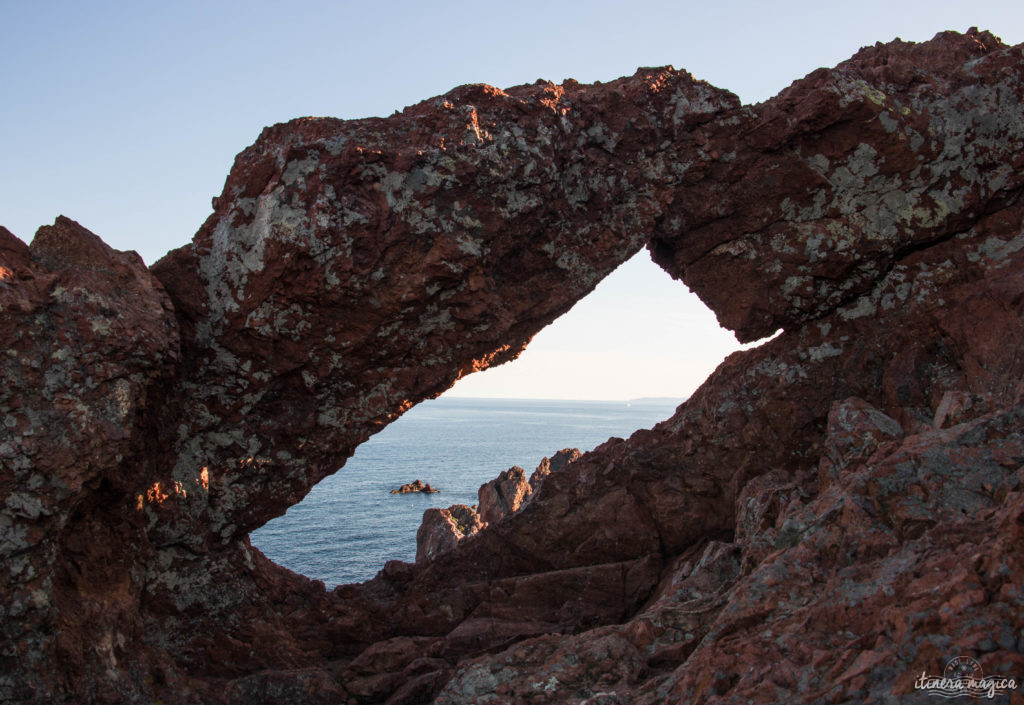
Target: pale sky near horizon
pixel 126 116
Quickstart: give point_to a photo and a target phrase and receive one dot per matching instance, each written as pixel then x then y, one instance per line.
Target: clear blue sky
pixel 126 116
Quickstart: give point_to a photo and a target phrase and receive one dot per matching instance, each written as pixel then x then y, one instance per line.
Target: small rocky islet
pixel 414 487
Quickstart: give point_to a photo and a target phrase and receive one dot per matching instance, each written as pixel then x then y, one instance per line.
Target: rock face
pixel 91 345
pixel 811 198
pixel 503 495
pixel 556 462
pixel 829 516
pixel 441 529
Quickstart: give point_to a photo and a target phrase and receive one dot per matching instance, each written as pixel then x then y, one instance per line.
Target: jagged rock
pixel 556 462
pixel 415 486
pixel 829 515
pixel 503 495
pixel 809 198
pixel 441 529
pixel 90 347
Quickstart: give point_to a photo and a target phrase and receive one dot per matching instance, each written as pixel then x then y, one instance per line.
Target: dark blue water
pixel 350 525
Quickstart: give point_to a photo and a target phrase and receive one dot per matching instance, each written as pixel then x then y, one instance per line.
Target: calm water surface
pixel 350 525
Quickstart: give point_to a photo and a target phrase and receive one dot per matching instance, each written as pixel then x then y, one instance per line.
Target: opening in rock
pixel 622 359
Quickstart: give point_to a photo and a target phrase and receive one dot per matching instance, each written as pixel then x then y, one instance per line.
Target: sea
pixel 350 524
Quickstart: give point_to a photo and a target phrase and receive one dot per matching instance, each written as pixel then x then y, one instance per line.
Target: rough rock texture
pixel 503 495
pixel 556 462
pixel 90 343
pixel 352 269
pixel 807 200
pixel 441 529
pixel 830 515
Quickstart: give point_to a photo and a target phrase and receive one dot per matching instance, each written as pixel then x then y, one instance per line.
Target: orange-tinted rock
pixel 503 495
pixel 830 515
pixel 441 529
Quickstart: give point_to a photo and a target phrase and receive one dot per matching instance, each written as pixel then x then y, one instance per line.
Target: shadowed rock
pixel 556 462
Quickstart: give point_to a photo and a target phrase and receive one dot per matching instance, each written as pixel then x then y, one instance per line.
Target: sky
pixel 126 116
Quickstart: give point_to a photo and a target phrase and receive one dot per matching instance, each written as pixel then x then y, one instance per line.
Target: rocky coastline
pixel 831 515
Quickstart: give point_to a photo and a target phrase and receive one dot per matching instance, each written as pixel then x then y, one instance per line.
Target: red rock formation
pixel 90 346
pixel 415 486
pixel 556 462
pixel 804 202
pixel 352 269
pixel 503 495
pixel 441 529
pixel 830 515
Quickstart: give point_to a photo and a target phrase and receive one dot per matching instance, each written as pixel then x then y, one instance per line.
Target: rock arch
pixel 351 269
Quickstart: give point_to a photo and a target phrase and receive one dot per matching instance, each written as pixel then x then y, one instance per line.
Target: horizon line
pixel 669 398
